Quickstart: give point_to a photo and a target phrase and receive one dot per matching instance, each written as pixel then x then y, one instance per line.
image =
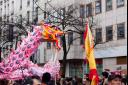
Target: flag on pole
pixel 89 50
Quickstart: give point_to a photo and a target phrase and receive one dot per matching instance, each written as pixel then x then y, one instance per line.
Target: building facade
pixel 109 29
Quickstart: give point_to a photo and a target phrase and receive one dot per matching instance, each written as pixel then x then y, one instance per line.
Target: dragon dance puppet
pixel 18 61
pixel 51 33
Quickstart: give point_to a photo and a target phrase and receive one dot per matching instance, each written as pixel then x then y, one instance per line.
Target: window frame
pixel 21 17
pixel 48 45
pixel 89 10
pixel 1 11
pixel 110 35
pixel 82 11
pixel 99 30
pixel 12 8
pixel 98 6
pixel 28 17
pixel 122 5
pixel 75 68
pixel 107 6
pixel 28 3
pixel 20 4
pixel 121 60
pixel 70 38
pixel 82 39
pixel 1 3
pixel 119 37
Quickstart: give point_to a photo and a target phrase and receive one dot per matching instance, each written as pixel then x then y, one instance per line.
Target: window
pixel 70 38
pixel 7 18
pixel 5 6
pixel 48 45
pixel 21 19
pixel 120 3
pixel 70 9
pixel 4 1
pixel 36 16
pixel 12 8
pixel 121 31
pixel 36 12
pixel 4 16
pixel 89 10
pixel 8 5
pixel 109 33
pixel 75 69
pixel 82 11
pixel 55 14
pixel 1 12
pixel 10 34
pixel 12 20
pixel 20 4
pixel 98 35
pixel 32 58
pixel 28 3
pixel 121 60
pixel 82 39
pixel 36 0
pixel 99 66
pixel 62 12
pixel 8 9
pixel 28 16
pixel 108 5
pixel 98 7
pixel 0 19
pixel 12 2
pixel 1 2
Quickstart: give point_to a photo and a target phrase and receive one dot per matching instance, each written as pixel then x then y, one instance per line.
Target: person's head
pixel 27 80
pixel 10 82
pixel 105 74
pixel 107 70
pixel 114 80
pixel 3 82
pixel 36 77
pixel 36 80
pixel 46 78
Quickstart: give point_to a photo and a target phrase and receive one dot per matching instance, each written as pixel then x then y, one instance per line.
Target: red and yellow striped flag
pixel 89 50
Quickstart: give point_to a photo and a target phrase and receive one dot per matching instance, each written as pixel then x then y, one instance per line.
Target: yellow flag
pixel 89 50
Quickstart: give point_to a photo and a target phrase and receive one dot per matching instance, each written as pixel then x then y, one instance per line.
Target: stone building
pixel 109 29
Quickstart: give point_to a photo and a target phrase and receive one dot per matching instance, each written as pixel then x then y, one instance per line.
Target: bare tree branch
pixel 70 44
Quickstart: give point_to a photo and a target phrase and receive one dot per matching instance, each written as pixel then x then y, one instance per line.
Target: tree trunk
pixel 64 46
pixel 64 56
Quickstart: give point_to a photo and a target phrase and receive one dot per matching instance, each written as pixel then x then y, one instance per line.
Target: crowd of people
pixel 34 80
pixel 107 79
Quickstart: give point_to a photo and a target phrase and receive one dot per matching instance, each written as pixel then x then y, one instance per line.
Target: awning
pixel 111 52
